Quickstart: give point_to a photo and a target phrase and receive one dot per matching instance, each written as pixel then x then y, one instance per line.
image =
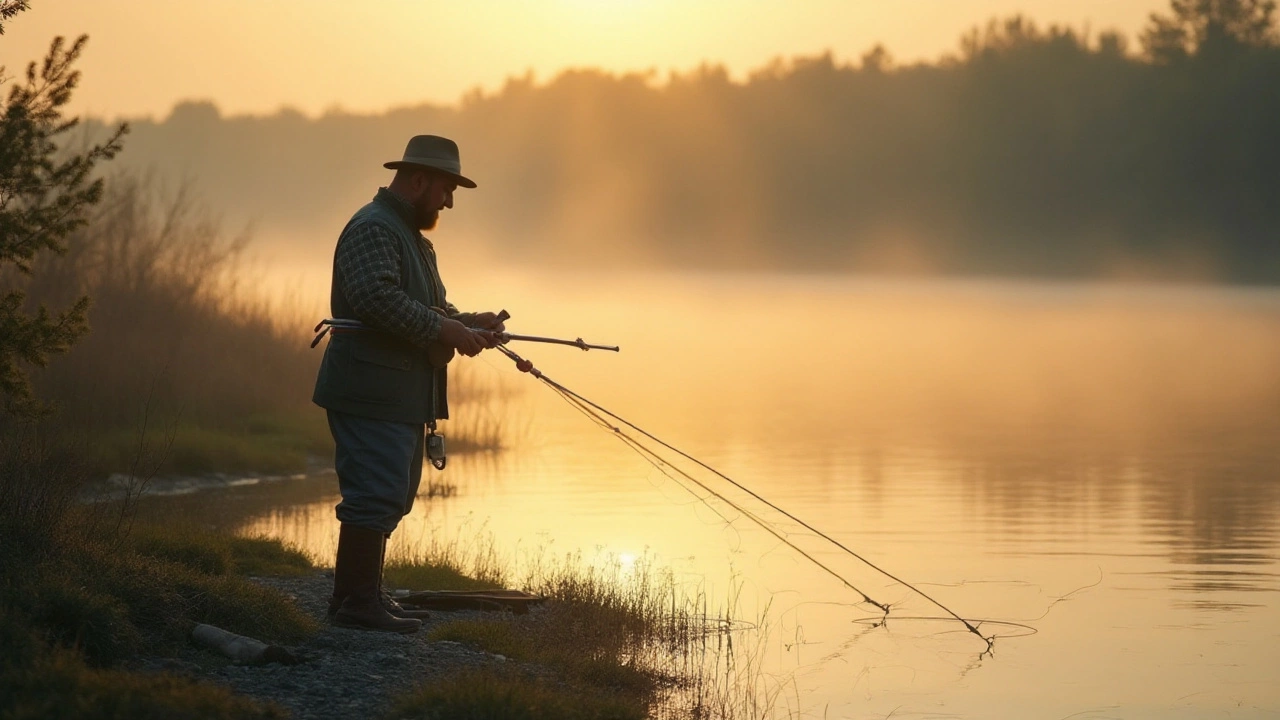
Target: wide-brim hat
pixel 435 153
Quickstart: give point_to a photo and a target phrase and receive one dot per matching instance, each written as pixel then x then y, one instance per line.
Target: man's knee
pixel 370 513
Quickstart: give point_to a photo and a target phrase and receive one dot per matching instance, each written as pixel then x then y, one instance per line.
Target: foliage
pixel 1210 28
pixel 93 598
pixel 9 8
pixel 44 196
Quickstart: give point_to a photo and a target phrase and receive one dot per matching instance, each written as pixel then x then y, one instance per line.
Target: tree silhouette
pixel 45 193
pixel 1209 28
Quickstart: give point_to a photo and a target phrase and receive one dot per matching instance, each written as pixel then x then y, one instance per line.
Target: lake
pixel 1096 465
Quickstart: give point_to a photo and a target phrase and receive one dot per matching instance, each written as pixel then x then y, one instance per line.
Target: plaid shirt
pixel 368 262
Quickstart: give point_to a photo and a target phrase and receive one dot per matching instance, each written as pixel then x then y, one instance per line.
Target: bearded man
pixel 385 384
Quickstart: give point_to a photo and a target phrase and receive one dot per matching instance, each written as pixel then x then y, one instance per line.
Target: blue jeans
pixel 379 466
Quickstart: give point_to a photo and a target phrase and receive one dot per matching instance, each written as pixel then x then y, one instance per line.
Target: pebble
pixel 349 673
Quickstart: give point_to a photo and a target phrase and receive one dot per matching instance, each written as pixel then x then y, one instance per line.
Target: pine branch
pixel 9 8
pixel 42 200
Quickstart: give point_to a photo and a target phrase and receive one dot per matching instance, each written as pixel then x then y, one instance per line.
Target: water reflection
pixel 1100 462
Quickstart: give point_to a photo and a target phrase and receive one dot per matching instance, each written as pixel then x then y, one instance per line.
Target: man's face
pixel 435 194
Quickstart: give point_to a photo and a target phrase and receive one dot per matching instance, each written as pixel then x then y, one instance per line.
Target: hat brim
pixel 462 181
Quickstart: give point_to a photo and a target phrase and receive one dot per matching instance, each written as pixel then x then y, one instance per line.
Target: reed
pixel 435 563
pixel 630 630
pixel 186 341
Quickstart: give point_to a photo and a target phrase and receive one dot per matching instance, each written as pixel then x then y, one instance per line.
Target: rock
pixel 343 673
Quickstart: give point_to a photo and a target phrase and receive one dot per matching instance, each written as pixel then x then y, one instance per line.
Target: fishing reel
pixel 435 448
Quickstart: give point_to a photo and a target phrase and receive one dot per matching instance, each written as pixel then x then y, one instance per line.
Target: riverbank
pixel 269 443
pixel 356 674
pixel 99 627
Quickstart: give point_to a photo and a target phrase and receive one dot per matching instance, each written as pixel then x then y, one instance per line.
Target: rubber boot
pixel 388 602
pixel 343 568
pixel 358 573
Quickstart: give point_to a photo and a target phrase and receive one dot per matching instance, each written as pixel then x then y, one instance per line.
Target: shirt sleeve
pixel 453 313
pixel 368 261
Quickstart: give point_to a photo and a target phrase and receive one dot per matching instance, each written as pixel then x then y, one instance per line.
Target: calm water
pixel 1099 463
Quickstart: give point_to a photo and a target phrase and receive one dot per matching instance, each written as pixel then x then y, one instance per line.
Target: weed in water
pixel 434 563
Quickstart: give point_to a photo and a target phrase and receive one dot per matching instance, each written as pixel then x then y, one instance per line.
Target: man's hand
pixel 463 339
pixel 489 321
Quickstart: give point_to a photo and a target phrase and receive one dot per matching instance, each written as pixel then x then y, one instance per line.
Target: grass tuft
pixel 217 554
pixel 111 599
pixel 446 565
pixel 629 633
pixel 424 576
pixel 257 556
pixel 67 678
pixel 59 685
pixel 77 617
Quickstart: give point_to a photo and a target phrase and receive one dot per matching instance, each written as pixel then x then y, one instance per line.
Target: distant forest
pixel 1030 151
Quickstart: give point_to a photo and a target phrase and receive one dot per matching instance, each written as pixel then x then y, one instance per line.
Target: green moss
pixel 481 695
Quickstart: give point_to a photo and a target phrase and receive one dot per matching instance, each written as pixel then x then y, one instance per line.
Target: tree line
pixel 1031 150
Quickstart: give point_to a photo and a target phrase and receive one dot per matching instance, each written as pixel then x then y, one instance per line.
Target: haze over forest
pixel 1032 151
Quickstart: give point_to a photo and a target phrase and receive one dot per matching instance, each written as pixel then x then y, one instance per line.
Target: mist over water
pixel 1030 151
pixel 1096 461
pixel 910 304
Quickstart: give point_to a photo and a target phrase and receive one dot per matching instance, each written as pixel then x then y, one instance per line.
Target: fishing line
pixel 659 463
pixel 600 415
pixel 884 622
pixel 653 459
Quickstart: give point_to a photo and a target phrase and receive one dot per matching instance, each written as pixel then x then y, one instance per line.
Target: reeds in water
pixel 630 628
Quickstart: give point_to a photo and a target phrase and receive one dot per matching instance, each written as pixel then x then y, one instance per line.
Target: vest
pixel 379 375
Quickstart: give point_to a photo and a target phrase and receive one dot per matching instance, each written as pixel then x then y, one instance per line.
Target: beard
pixel 427 219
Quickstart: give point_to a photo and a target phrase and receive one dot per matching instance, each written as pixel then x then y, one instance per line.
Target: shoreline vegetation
pixel 97 611
pixel 185 369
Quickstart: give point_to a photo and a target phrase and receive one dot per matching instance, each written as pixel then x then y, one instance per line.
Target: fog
pixel 1045 152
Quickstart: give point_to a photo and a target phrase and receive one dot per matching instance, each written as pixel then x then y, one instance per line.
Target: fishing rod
pixel 346 324
pixel 603 417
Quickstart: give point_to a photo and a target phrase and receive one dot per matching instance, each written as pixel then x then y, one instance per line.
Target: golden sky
pixel 255 56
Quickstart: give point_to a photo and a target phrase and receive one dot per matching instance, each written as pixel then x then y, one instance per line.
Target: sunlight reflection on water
pixel 1098 462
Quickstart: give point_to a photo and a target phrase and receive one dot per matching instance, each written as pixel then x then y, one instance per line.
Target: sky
pixel 257 56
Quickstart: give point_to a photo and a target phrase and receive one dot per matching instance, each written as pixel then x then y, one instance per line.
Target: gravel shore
pixel 346 673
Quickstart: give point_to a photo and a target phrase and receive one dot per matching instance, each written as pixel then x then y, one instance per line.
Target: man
pixel 383 386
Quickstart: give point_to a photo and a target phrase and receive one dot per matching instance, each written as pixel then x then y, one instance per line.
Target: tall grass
pixel 665 649
pixel 186 343
pixel 83 590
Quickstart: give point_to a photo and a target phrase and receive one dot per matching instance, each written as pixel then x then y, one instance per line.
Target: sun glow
pixel 370 56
